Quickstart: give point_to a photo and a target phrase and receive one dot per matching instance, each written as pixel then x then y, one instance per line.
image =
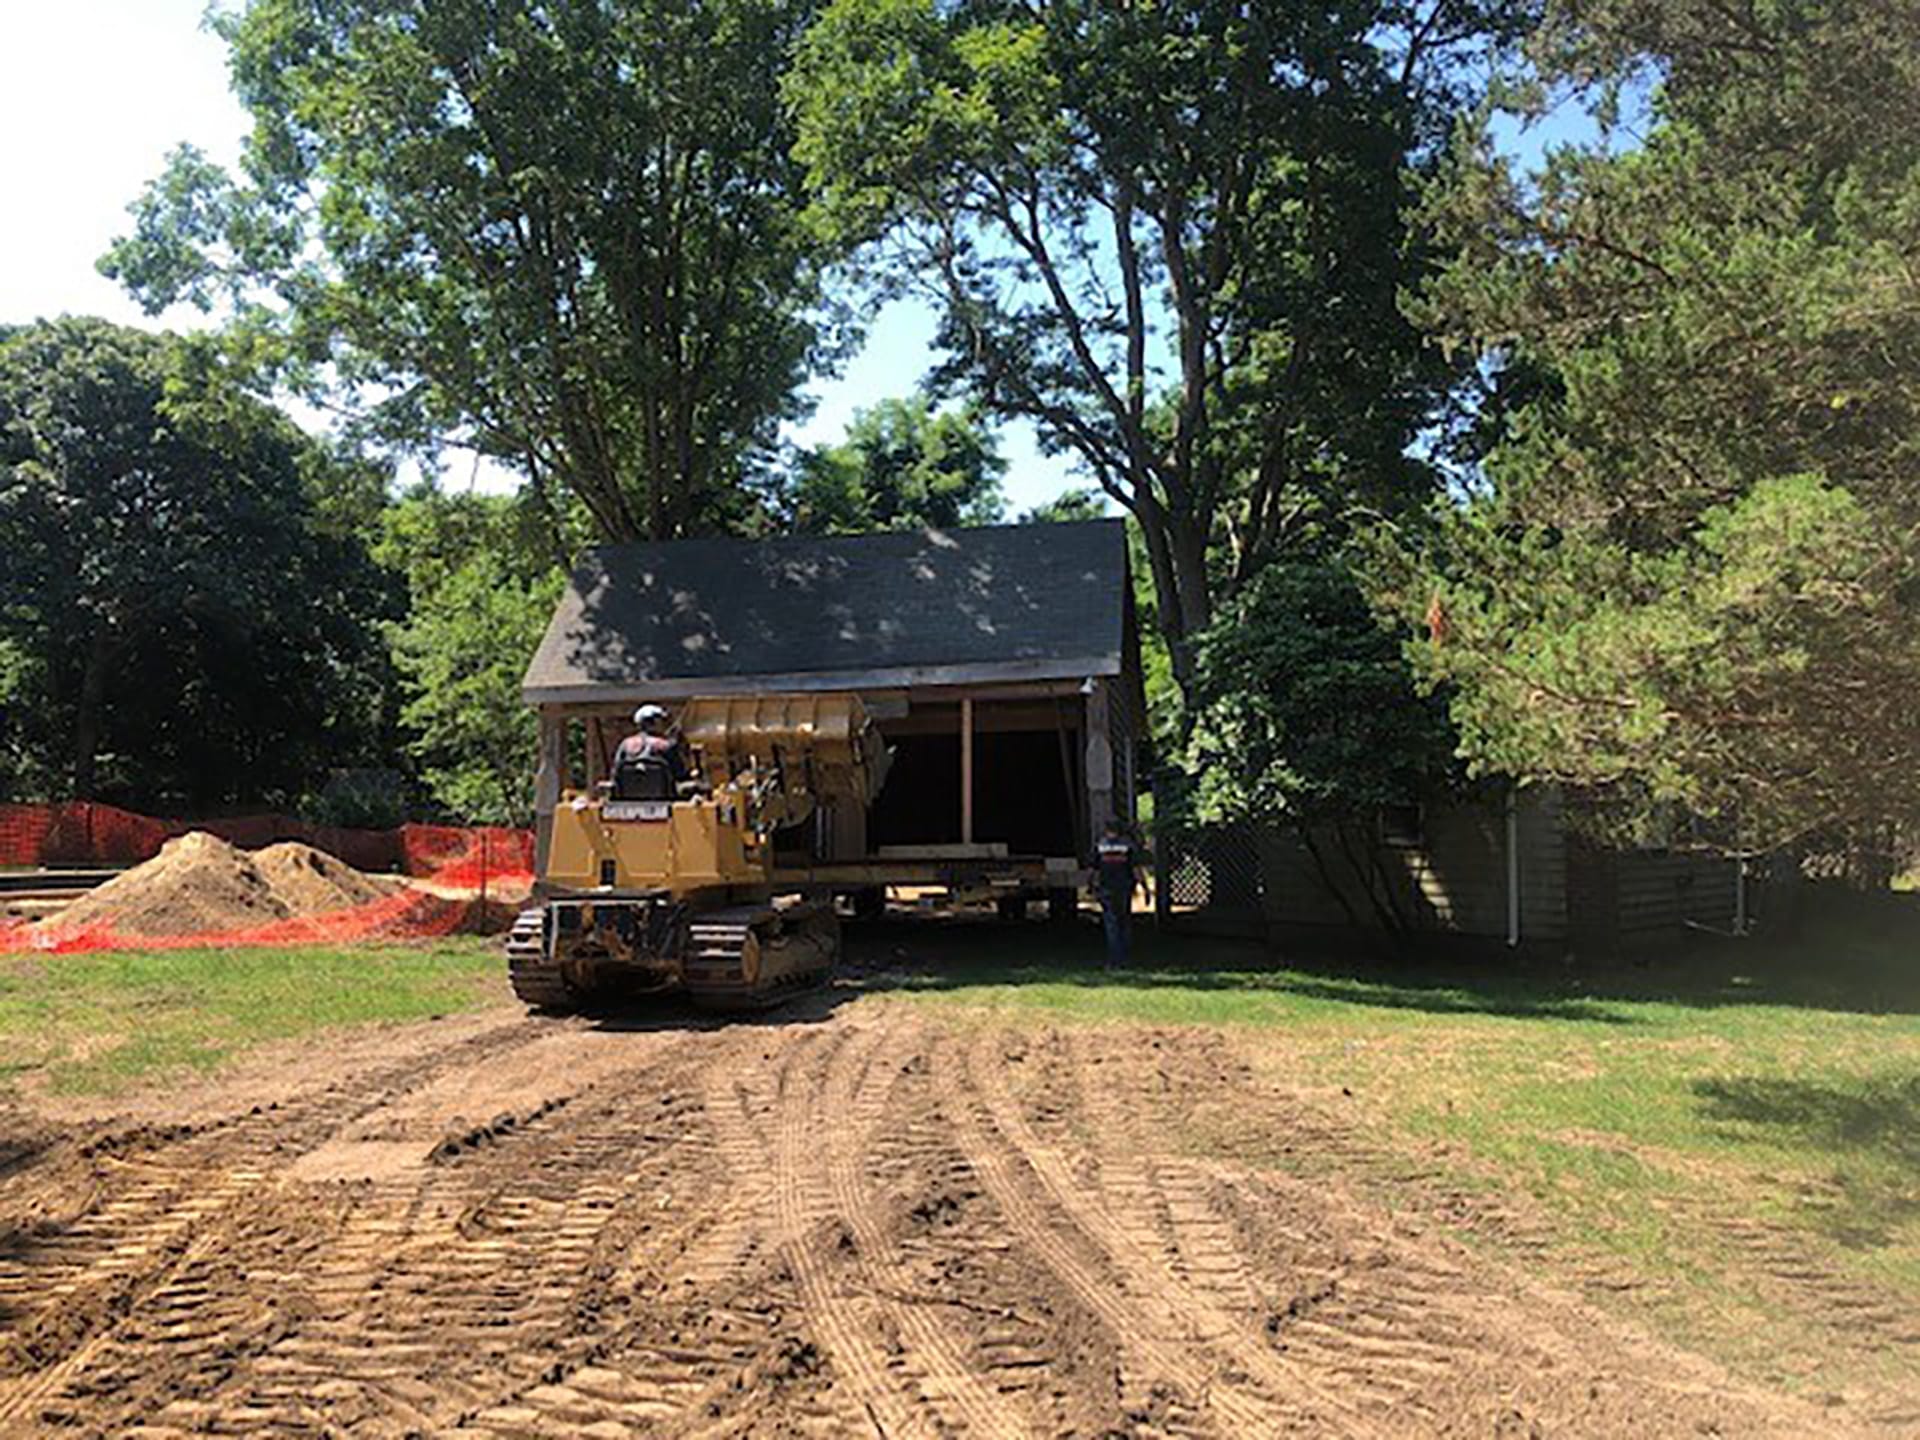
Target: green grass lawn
pixel 1651 1113
pixel 96 1023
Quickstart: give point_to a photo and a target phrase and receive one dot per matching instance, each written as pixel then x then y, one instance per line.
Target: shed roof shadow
pixel 1039 599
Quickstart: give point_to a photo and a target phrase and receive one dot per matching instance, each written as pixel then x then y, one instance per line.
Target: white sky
pixel 95 93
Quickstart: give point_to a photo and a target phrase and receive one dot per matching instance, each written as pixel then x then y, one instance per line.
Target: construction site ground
pixel 878 1211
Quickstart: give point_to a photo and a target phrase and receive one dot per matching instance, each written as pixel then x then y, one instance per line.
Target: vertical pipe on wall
pixel 966 770
pixel 1739 878
pixel 1513 865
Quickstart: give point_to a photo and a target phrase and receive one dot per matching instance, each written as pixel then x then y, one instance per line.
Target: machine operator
pixel 649 764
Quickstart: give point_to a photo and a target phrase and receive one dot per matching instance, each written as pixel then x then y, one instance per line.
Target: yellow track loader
pixel 670 889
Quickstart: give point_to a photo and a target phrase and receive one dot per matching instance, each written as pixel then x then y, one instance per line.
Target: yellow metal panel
pixel 701 845
pixel 822 746
pixel 766 762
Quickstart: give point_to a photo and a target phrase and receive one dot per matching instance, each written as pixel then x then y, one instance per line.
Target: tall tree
pixel 1170 235
pixel 178 622
pixel 482 587
pixel 1691 571
pixel 1303 717
pixel 565 234
pixel 904 465
pixel 1068 505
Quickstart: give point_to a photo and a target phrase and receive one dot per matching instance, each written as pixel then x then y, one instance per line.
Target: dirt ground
pixel 857 1216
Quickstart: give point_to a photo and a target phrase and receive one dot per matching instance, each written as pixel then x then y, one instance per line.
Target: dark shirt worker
pixel 1117 874
pixel 650 748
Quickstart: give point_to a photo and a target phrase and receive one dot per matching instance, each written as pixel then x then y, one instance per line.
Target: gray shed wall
pixel 1622 896
pixel 1453 882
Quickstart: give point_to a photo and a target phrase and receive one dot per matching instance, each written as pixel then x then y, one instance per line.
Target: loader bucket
pixel 824 748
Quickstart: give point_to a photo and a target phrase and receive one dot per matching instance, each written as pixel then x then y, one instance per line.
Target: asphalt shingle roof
pixel 1041 601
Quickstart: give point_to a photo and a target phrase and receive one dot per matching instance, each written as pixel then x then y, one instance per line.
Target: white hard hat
pixel 649 712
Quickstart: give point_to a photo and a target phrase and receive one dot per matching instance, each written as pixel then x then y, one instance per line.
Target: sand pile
pixel 201 883
pixel 311 882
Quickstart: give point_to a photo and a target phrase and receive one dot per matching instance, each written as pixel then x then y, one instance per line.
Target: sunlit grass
pixel 97 1023
pixel 1634 1107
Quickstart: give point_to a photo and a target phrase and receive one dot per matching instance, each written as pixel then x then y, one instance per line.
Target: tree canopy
pixel 1690 572
pixel 1068 505
pixel 564 234
pixel 179 624
pixel 481 587
pixel 1303 717
pixel 1629 437
pixel 903 466
pixel 1171 236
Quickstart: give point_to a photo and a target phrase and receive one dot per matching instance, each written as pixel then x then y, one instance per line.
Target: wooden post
pixel 966 770
pixel 596 751
pixel 546 785
pixel 1099 761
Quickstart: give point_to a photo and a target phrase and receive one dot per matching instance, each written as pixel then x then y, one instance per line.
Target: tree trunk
pixel 1177 555
pixel 1188 544
pixel 86 721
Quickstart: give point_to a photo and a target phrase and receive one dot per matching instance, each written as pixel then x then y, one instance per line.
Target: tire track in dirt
pixel 1376 1352
pixel 75 1324
pixel 804 1225
pixel 412 1279
pixel 865 1223
pixel 506 1269
pixel 1788 1270
pixel 157 1198
pixel 859 1087
pixel 710 1333
pixel 1160 1318
pixel 147 1186
pixel 1392 1313
pixel 1050 1363
pixel 590 1230
pixel 1786 1262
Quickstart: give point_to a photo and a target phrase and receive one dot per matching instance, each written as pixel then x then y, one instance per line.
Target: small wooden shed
pixel 1001 664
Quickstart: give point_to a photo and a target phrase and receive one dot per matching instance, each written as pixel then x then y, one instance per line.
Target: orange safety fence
pixel 484 859
pixel 404 915
pixel 84 833
pixel 472 857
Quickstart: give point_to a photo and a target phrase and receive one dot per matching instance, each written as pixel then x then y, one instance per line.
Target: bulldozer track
pixel 535 978
pixel 714 968
pixel 860 1221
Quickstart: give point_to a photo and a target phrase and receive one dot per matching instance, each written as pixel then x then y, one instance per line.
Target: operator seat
pixel 642 777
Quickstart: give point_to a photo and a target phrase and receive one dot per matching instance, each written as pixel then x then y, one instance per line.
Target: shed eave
pixel 893 678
